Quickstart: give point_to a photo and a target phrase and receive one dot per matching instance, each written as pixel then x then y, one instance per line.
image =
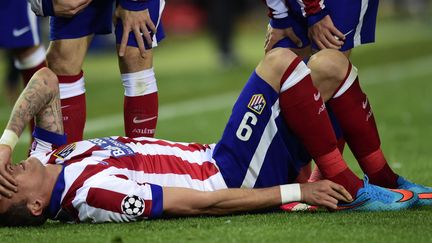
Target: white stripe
pixel 322 5
pixel 33 25
pixel 357 35
pixel 302 7
pixel 279 8
pixel 72 89
pixel 161 8
pixel 296 76
pixel 196 157
pixel 348 82
pixel 262 148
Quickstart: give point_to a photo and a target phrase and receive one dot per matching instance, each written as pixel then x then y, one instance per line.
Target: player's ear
pixel 35 206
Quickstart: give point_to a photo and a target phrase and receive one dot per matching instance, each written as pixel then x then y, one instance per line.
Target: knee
pixel 278 60
pixel 274 65
pixel 329 64
pixel 48 78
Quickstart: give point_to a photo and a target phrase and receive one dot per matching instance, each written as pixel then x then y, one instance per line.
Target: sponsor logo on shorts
pixel 66 151
pixel 257 103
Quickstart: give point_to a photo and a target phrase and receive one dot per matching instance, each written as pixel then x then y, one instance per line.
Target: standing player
pixel 137 30
pixel 124 179
pixel 308 26
pixel 20 35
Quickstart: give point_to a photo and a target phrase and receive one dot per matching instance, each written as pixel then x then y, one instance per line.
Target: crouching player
pixel 123 179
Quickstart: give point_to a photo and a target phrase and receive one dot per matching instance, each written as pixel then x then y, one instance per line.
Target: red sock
pixel 73 105
pixel 28 73
pixel 140 115
pixel 354 113
pixel 305 114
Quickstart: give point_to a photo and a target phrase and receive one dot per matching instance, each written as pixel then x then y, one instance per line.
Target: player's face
pixel 29 176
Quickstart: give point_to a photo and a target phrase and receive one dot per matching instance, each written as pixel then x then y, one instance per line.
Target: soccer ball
pixel 132 205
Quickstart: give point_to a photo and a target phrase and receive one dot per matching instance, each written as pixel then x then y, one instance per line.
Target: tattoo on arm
pixel 39 100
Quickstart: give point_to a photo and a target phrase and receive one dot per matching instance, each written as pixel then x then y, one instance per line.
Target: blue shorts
pixel 97 19
pixel 19 25
pixel 356 19
pixel 256 148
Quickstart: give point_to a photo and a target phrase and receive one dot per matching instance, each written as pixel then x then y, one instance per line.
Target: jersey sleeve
pixel 313 10
pixel 114 199
pixel 45 142
pixel 278 13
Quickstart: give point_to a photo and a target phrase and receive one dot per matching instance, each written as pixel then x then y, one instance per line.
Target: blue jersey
pixel 256 148
pixel 356 19
pixel 19 25
pixel 96 18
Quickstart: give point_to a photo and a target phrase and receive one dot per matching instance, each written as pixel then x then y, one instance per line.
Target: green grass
pixel 394 74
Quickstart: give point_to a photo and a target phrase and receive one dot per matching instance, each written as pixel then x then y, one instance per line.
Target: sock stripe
pixel 64 79
pixel 349 79
pixel 295 73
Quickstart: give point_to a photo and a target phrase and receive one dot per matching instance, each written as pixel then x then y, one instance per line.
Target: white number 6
pixel 244 130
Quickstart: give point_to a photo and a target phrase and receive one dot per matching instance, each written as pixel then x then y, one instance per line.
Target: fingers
pixel 294 38
pixel 337 33
pixel 139 39
pixel 346 196
pixel 332 41
pixel 7 185
pixel 124 41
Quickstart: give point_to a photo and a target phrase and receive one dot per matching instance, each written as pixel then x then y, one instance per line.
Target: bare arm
pixel 188 202
pixel 39 99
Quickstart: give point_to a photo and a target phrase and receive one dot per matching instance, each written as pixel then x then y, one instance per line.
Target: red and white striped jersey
pixel 118 179
pixel 278 9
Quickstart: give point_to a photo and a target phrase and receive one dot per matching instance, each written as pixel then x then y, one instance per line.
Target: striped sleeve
pixel 114 199
pixel 313 10
pixel 278 13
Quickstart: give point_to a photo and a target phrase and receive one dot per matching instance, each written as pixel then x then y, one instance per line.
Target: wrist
pixel 9 138
pixel 134 5
pixel 290 193
pixel 316 17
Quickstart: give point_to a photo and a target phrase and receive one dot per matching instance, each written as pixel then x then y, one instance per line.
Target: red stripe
pixel 67 79
pixel 192 147
pixel 105 199
pixel 312 7
pixel 290 70
pixel 147 208
pixel 89 171
pixel 167 164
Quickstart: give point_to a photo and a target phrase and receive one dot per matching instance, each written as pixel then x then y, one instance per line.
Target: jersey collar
pixel 55 202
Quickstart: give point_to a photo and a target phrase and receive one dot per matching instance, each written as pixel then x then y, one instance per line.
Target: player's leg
pixel 65 58
pixel 354 114
pixel 70 39
pixel 139 81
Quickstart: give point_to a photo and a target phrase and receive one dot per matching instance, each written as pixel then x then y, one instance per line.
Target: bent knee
pixel 274 65
pixel 329 63
pixel 47 76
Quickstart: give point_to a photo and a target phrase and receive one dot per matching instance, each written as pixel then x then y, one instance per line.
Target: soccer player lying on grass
pixel 123 179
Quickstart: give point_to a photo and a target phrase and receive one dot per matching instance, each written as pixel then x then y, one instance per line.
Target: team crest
pixel 257 103
pixel 66 151
pixel 132 205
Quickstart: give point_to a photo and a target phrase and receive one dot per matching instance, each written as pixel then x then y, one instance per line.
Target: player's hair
pixel 19 215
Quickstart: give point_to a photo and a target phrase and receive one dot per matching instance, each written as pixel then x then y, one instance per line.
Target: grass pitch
pixel 195 102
